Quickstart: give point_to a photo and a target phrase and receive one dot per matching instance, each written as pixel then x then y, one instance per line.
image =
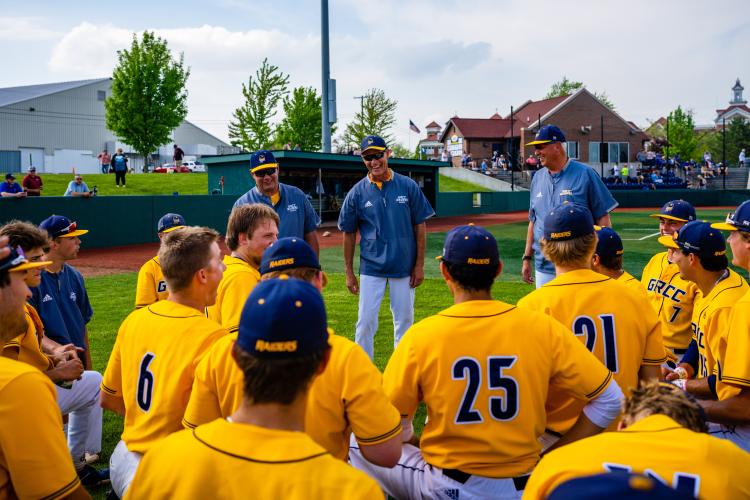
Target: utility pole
pixel 361 103
pixel 724 149
pixel 510 154
pixel 601 147
pixel 326 76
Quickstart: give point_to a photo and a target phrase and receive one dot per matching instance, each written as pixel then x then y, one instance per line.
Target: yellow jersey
pixel 672 298
pixel 238 281
pixel 152 365
pixel 347 397
pixel 483 368
pixel 612 320
pixel 734 350
pixel 35 461
pixel 29 343
pixel 631 281
pixel 151 286
pixel 696 464
pixel 231 460
pixel 711 320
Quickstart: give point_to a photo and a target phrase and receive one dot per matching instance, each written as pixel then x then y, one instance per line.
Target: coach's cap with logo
pixel 59 226
pixel 547 134
pixel 609 244
pixel 373 142
pixel 289 253
pixel 9 176
pixel 170 222
pixel 261 160
pixel 618 484
pixel 697 237
pixel 568 221
pixel 283 318
pixel 679 210
pixel 472 245
pixel 737 221
pixel 16 261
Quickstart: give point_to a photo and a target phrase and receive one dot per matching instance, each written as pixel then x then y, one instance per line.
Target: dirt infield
pixel 124 259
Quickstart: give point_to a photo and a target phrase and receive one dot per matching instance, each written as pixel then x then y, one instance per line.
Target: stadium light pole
pixel 326 74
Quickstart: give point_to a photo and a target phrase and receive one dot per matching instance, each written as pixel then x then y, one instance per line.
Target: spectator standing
pixel 78 189
pixel 32 183
pixel 444 156
pixel 10 188
pixel 104 161
pixel 742 158
pixel 120 166
pixel 177 155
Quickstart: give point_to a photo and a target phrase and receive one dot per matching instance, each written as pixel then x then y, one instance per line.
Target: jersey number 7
pixel 501 408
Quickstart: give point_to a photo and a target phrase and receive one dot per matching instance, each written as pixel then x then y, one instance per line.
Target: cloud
pixel 436 58
pixel 26 29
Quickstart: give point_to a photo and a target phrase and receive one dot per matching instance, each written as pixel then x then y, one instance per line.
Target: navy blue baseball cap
pixel 621 485
pixel 470 245
pixel 737 221
pixel 289 253
pixel 697 237
pixel 547 134
pixel 170 222
pixel 568 221
pixel 261 160
pixel 679 210
pixel 283 318
pixel 59 226
pixel 609 244
pixel 16 261
pixel 373 142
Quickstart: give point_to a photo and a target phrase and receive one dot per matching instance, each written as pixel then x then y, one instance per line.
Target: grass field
pixel 451 185
pixel 142 184
pixel 112 296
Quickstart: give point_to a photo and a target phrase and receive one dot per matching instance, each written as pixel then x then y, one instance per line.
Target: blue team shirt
pixel 63 304
pixel 385 219
pixel 295 211
pixel 575 183
pixel 6 187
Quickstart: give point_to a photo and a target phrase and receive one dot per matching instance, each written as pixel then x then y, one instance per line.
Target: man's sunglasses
pixel 264 172
pixel 373 156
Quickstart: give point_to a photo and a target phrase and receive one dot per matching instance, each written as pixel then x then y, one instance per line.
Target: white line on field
pixel 641 239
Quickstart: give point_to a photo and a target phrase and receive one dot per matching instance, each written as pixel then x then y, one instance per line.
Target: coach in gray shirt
pixel 562 180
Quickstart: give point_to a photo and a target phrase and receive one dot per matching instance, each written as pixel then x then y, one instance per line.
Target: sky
pixel 436 58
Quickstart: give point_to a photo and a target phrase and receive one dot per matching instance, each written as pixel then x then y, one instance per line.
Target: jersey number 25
pixel 501 408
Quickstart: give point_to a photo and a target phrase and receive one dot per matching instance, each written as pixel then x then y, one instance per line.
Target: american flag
pixel 413 127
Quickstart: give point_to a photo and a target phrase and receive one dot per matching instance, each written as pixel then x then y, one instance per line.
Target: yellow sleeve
pixel 735 369
pixel 654 352
pixel 368 410
pixel 34 448
pixel 112 378
pixel 203 405
pixel 236 291
pixel 717 330
pixel 401 378
pixel 546 476
pixel 145 291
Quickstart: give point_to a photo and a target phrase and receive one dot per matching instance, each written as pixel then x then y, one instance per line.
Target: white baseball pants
pixel 371 291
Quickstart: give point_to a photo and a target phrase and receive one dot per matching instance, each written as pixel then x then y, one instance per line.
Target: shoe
pixel 92 458
pixel 90 476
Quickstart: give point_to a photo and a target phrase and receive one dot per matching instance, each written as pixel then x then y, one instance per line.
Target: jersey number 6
pixel 501 408
pixel 145 383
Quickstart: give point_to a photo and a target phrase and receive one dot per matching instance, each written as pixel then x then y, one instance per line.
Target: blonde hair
pixel 304 273
pixel 660 398
pixel 576 252
pixel 183 253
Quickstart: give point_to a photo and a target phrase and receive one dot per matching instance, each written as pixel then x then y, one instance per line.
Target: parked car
pixel 194 166
pixel 169 168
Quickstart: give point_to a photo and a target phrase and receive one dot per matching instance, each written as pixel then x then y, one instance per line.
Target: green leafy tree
pixel 149 99
pixel 251 128
pixel 401 151
pixel 302 118
pixel 567 87
pixel 682 139
pixel 377 116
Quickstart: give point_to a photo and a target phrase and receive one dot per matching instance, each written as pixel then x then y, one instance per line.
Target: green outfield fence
pixel 127 220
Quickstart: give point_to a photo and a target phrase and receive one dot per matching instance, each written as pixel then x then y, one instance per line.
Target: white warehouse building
pixel 57 127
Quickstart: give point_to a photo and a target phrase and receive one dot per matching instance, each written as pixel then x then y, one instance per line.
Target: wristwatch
pixel 527 257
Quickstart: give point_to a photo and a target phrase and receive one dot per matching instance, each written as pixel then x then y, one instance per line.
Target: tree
pixel 377 116
pixel 682 139
pixel 148 98
pixel 567 87
pixel 401 151
pixel 251 128
pixel 302 118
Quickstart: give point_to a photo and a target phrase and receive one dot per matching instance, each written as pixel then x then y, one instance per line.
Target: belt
pixel 461 477
pixel 679 351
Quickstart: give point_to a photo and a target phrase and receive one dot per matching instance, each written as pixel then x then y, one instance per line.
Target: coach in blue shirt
pixel 389 211
pixel 61 299
pixel 297 216
pixel 562 180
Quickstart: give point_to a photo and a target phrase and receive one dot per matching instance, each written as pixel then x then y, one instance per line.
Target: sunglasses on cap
pixel 264 172
pixel 19 259
pixel 373 156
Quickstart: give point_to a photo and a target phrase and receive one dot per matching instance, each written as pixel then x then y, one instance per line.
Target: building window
pixel 101 95
pixel 572 147
pixel 609 152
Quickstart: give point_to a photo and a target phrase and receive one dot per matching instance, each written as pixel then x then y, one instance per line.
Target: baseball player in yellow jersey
pixel 662 435
pixel 151 286
pixel 612 320
pixel 732 410
pixel 77 390
pixel 35 462
pixel 346 398
pixel 671 296
pixel 607 259
pixel 149 377
pixel 250 230
pixel 261 449
pixel 483 368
